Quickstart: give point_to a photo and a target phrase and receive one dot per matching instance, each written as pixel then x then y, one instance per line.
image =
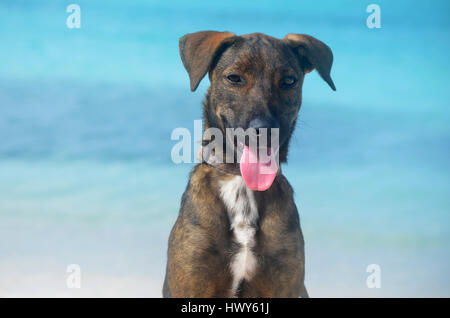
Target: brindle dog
pixel 228 240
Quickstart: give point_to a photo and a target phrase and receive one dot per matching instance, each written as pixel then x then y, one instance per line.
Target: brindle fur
pixel 200 243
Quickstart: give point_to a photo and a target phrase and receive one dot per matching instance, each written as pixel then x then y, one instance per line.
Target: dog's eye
pixel 233 78
pixel 288 81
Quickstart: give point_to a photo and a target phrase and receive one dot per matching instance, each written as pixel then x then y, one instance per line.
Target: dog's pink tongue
pixel 258 175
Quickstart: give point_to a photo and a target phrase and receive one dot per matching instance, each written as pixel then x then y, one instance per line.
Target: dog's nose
pixel 258 123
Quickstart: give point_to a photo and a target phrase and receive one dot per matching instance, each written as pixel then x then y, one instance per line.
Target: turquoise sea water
pixel 86 116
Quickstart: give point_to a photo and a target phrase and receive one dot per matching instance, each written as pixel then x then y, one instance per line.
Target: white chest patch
pixel 243 214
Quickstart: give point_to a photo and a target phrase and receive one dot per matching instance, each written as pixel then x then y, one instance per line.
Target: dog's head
pixel 256 80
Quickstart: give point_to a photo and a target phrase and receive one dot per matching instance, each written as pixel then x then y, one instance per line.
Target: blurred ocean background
pixel 86 116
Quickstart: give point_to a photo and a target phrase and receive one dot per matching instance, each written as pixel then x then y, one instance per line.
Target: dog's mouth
pixel 258 170
pixel 258 163
pixel 257 157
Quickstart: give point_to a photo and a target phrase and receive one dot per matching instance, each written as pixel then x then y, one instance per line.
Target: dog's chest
pixel 243 215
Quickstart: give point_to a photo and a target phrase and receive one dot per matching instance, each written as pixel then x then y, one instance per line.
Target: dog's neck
pixel 212 160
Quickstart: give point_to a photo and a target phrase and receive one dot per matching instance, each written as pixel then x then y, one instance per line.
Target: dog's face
pixel 256 80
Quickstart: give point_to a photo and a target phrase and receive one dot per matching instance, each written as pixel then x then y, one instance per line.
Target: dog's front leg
pixel 195 266
pixel 198 255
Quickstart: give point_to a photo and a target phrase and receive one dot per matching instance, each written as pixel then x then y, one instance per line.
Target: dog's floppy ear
pixel 198 51
pixel 316 53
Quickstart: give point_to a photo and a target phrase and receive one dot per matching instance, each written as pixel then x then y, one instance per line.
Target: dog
pixel 238 233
